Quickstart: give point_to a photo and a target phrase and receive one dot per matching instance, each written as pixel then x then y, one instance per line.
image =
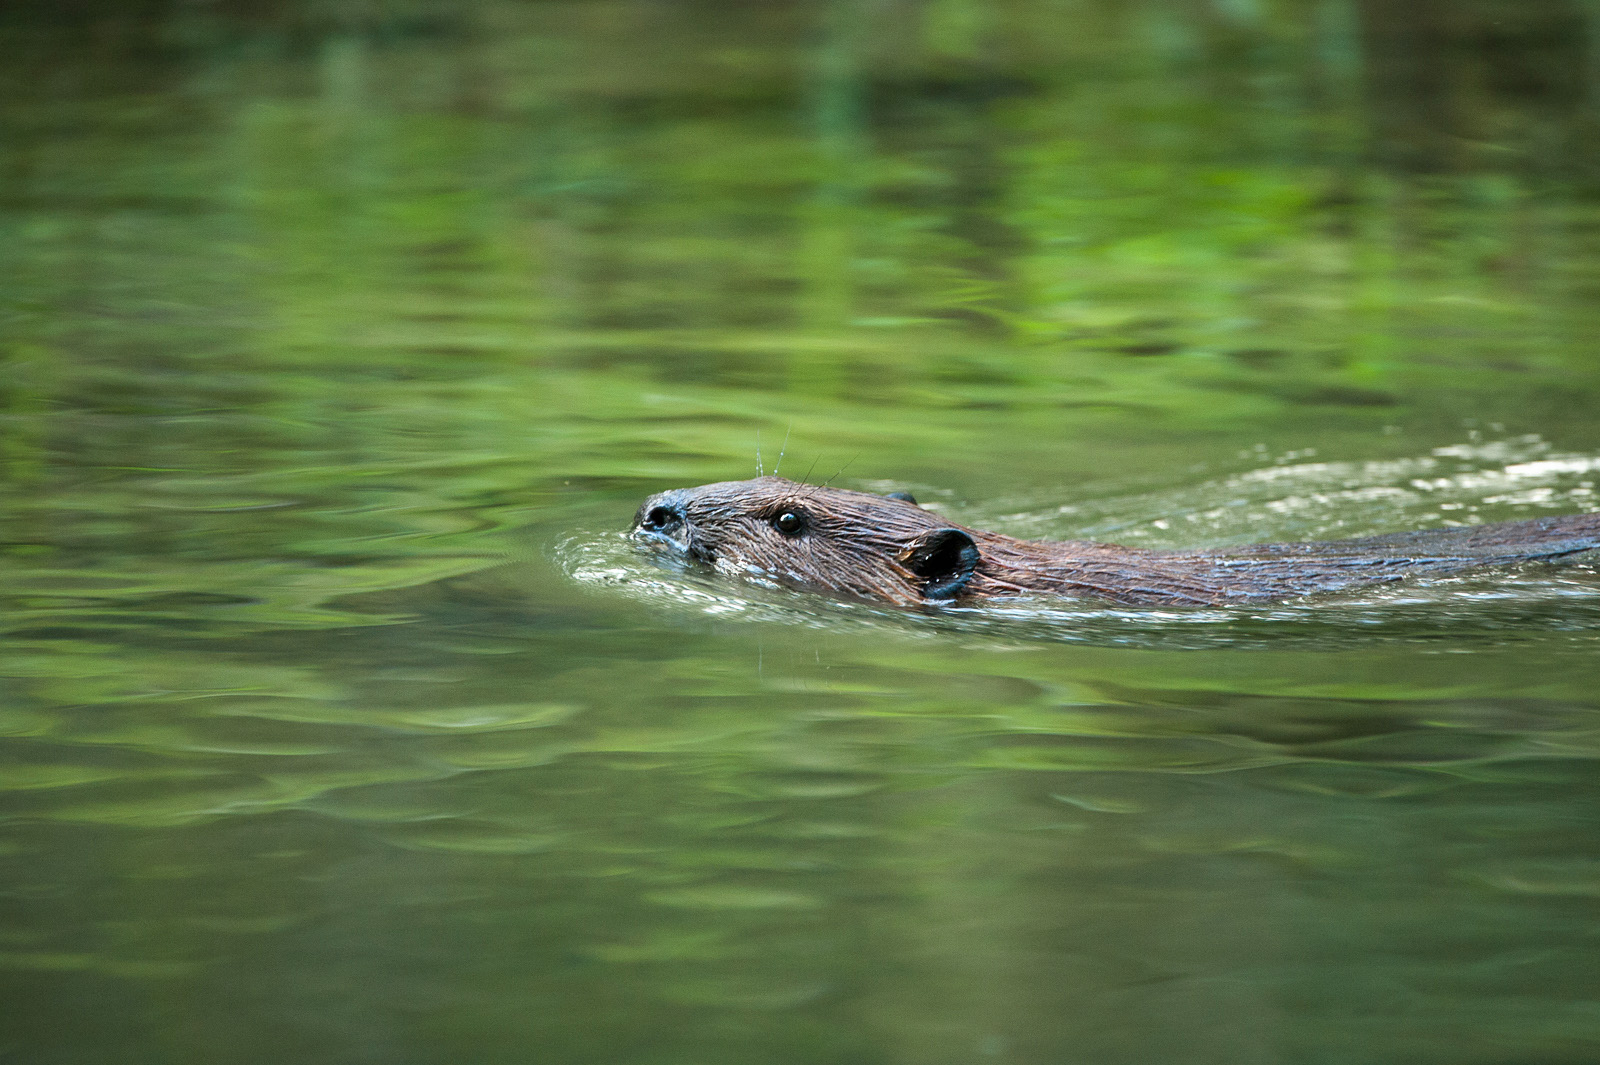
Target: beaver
pixel 889 549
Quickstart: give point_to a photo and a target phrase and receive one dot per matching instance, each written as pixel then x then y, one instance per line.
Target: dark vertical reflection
pixel 837 116
pixel 1335 74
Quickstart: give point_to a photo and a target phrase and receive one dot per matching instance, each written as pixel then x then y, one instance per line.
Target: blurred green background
pixel 338 722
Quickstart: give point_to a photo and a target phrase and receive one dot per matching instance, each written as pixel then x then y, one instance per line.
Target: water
pixel 340 723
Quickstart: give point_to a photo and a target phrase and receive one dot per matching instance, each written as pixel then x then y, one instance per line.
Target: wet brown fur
pixel 881 548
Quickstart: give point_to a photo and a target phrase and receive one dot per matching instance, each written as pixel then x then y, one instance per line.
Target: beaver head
pixel 852 543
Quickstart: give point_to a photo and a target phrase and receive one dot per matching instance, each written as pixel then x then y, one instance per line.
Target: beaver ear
pixel 945 558
pixel 905 497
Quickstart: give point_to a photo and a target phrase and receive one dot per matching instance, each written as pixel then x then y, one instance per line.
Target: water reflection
pixel 339 725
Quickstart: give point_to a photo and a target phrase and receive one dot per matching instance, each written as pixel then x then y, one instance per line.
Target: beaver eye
pixel 788 523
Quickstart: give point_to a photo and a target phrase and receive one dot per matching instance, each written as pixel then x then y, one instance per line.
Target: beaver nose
pixel 658 518
pixel 661 516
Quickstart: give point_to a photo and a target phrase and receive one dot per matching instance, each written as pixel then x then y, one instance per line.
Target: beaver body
pixel 889 549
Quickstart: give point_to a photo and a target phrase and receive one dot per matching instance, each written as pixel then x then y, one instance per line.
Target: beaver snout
pixel 661 518
pixel 663 521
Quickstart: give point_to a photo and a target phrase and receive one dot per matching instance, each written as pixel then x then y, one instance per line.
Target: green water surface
pixel 339 723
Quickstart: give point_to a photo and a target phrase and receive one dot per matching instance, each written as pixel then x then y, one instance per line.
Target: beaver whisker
pixel 836 476
pixel 776 466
